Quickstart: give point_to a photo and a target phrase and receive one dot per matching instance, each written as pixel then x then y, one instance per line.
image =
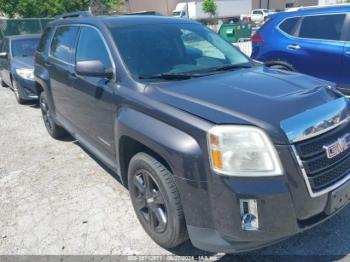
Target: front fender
pixel 180 150
pixel 186 156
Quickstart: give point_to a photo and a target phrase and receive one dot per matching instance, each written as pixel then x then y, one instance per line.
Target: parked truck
pixel 257 15
pixel 225 9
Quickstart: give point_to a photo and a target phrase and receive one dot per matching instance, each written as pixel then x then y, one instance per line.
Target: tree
pixel 102 7
pixel 49 8
pixel 209 7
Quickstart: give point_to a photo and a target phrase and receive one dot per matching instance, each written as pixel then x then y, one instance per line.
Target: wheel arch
pixel 281 63
pixel 129 147
pixel 138 132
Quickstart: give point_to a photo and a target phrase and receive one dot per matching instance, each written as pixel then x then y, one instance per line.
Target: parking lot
pixel 57 199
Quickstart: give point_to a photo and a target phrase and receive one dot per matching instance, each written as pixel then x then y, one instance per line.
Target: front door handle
pixel 294 47
pixel 347 53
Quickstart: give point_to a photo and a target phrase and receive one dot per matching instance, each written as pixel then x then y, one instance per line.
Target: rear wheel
pixel 52 128
pixel 156 200
pixel 281 65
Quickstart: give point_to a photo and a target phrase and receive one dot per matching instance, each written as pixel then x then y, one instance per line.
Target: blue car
pixel 17 65
pixel 313 41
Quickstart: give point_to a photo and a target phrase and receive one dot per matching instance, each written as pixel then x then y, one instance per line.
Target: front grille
pixel 321 171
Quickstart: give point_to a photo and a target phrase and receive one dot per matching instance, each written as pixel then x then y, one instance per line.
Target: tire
pixel 52 128
pixel 156 201
pixel 17 93
pixel 3 84
pixel 280 66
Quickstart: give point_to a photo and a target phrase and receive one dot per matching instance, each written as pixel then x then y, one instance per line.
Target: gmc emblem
pixel 338 147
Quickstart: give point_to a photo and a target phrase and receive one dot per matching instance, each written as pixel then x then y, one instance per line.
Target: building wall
pixel 331 2
pixel 282 4
pixel 164 7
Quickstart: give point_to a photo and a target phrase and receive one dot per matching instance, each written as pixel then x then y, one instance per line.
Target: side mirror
pixel 3 55
pixel 93 68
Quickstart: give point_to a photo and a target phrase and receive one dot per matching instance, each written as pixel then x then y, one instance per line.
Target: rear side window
pixel 289 25
pixel 44 40
pixel 63 43
pixel 327 27
pixel 92 47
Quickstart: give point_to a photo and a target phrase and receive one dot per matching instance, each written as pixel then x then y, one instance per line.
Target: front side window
pixel 174 48
pixel 62 46
pixel 92 47
pixel 327 27
pixel 289 25
pixel 24 47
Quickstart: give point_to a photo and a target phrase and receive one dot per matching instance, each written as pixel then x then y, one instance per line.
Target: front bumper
pixel 285 208
pixel 26 88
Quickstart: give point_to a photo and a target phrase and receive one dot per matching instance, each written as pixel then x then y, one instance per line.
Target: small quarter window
pixel 289 25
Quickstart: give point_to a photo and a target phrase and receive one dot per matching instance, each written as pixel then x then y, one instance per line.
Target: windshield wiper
pixel 228 67
pixel 170 76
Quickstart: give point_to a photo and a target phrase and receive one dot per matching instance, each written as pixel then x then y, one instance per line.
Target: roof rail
pixel 145 13
pixel 75 15
pixel 292 9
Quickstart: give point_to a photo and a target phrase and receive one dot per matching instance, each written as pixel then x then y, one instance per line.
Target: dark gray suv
pixel 211 145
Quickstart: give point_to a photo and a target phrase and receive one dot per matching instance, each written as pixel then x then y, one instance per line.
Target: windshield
pixel 24 47
pixel 174 48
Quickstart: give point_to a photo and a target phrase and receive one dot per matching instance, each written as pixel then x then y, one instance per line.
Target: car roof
pixel 18 37
pixel 302 11
pixel 121 21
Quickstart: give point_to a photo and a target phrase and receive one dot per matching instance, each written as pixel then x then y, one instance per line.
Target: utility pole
pixel 188 15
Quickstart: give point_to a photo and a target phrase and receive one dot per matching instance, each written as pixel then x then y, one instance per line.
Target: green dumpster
pixel 235 32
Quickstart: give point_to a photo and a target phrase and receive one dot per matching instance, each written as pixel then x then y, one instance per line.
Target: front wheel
pixel 156 201
pixel 3 84
pixel 17 92
pixel 52 128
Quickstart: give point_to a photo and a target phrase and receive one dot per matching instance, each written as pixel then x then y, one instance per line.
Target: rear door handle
pixel 294 47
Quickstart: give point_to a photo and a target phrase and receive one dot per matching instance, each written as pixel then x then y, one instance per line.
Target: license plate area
pixel 338 199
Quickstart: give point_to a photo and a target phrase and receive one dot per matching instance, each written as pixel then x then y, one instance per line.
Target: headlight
pixel 243 151
pixel 25 73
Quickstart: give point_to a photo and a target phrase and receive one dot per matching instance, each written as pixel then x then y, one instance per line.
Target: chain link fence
pixel 22 26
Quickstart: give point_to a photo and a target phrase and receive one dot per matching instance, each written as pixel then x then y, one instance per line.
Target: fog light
pixel 249 214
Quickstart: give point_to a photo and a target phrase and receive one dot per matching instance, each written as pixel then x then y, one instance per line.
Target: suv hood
pixel 259 96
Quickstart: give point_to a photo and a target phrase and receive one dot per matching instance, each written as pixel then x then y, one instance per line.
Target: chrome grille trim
pixel 317 121
pixel 306 179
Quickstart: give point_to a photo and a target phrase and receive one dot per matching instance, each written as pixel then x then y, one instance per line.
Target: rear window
pixel 63 43
pixel 327 27
pixel 289 25
pixel 44 40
